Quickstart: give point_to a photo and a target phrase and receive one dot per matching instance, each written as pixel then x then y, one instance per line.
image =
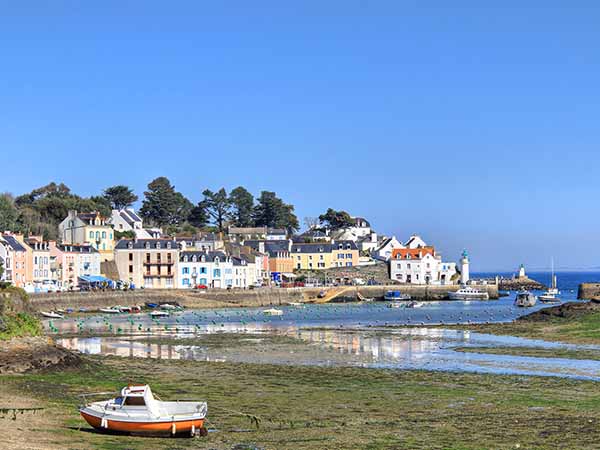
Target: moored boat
pixel 273 312
pixel 396 304
pixel 525 299
pixel 136 411
pixel 52 315
pixel 113 310
pixel 468 293
pixel 160 314
pixel 415 304
pixel 395 296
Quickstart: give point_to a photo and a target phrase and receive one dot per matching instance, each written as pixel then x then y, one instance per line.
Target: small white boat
pixel 113 310
pixel 159 314
pixel 548 297
pixel 296 304
pixel 273 312
pixel 468 293
pixel 525 299
pixel 361 298
pixel 52 315
pixel 169 307
pixel 137 411
pixel 397 305
pixel 415 304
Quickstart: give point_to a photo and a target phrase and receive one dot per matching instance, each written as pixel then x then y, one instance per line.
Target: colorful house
pixel 88 228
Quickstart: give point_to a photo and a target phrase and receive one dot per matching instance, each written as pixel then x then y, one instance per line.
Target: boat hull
pixel 155 427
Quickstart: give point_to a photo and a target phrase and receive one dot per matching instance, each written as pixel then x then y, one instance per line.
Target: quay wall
pixel 221 298
pixel 589 291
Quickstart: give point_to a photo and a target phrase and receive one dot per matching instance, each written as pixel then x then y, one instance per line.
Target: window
pixel 203 281
pixel 104 235
pixel 97 235
pixel 299 257
pixel 299 266
pixel 399 266
pixel 135 401
pixel 349 255
pixel 341 256
pixel 35 260
pixel 110 236
pixel 148 257
pixel 131 257
pixel 217 273
pixel 203 270
pixel 185 271
pixel 321 257
pixel 408 265
pixel 169 257
pixel 310 265
pixel 91 235
pixel 186 281
pixel 169 282
pixel 348 264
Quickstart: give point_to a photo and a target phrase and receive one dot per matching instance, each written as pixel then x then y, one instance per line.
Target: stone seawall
pixel 589 291
pixel 222 298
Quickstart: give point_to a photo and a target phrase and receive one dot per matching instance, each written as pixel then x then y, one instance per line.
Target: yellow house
pixel 88 228
pixel 344 254
pixel 311 256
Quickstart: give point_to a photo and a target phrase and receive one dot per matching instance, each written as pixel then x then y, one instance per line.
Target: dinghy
pixel 137 411
pixel 113 310
pixel 273 312
pixel 159 314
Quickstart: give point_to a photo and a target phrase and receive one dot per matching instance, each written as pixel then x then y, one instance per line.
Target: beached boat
pixel 52 315
pixel 160 314
pixel 113 310
pixel 550 296
pixel 468 293
pixel 169 307
pixel 151 305
pixel 395 295
pixel 525 299
pixel 137 411
pixel 273 312
pixel 296 304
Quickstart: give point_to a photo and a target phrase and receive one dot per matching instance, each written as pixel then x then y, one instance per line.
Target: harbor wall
pixel 589 291
pixel 221 298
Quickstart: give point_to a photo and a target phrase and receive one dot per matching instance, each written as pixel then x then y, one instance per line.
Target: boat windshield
pixel 118 400
pixel 135 401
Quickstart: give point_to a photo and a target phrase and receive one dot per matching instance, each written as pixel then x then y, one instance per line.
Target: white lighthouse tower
pixel 464 268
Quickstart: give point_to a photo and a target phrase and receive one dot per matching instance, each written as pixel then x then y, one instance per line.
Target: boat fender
pixel 173 428
pixel 104 423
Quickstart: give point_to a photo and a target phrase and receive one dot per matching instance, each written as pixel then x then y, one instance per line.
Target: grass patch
pixel 19 325
pixel 534 352
pixel 314 407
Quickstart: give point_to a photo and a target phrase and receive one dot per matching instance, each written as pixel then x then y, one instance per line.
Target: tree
pixel 120 196
pixel 163 205
pixel 217 206
pixel 198 216
pixel 8 213
pixel 336 219
pixel 311 222
pixel 242 203
pixel 272 212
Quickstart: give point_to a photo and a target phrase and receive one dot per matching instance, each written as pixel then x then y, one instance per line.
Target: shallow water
pixel 334 335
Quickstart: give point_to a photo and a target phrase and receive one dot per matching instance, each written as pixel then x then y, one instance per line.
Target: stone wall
pixel 589 291
pixel 230 298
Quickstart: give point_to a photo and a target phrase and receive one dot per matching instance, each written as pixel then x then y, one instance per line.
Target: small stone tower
pixel 464 268
pixel 522 271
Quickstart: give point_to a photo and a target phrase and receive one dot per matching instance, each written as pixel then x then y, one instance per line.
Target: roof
pixel 208 256
pixel 415 253
pixel 13 243
pixel 68 248
pixel 129 216
pixel 277 231
pixel 141 244
pixel 247 230
pixel 273 248
pixel 238 261
pixel 361 222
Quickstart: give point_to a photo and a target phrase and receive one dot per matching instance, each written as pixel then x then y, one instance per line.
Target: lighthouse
pixel 464 268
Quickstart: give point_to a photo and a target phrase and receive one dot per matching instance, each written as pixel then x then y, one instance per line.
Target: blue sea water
pixel 566 281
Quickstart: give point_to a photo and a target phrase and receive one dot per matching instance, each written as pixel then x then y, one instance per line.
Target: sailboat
pixel 550 295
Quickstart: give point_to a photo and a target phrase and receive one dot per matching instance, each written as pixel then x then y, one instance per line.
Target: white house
pixel 415 241
pixel 127 220
pixel 244 274
pixel 420 266
pixel 385 248
pixel 211 269
pixel 5 261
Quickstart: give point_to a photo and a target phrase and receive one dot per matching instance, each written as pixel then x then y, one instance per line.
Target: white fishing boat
pixel 160 314
pixel 137 411
pixel 468 293
pixel 362 298
pixel 113 310
pixel 169 307
pixel 52 315
pixel 525 299
pixel 296 304
pixel 273 312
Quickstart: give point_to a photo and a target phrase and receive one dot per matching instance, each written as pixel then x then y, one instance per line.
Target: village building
pixel 324 255
pixel 88 228
pixel 242 234
pixel 70 262
pixel 16 252
pixel 210 269
pixel 151 263
pixel 385 248
pixel 38 257
pixel 127 220
pixel 420 266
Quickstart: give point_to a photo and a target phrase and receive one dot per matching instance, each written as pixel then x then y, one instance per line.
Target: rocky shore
pixel 516 284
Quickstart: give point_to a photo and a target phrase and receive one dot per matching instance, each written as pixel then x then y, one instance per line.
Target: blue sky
pixel 473 125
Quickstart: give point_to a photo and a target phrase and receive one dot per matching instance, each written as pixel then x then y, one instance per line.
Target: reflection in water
pixel 408 348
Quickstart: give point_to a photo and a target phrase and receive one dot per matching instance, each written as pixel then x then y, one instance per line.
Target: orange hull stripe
pixel 147 427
